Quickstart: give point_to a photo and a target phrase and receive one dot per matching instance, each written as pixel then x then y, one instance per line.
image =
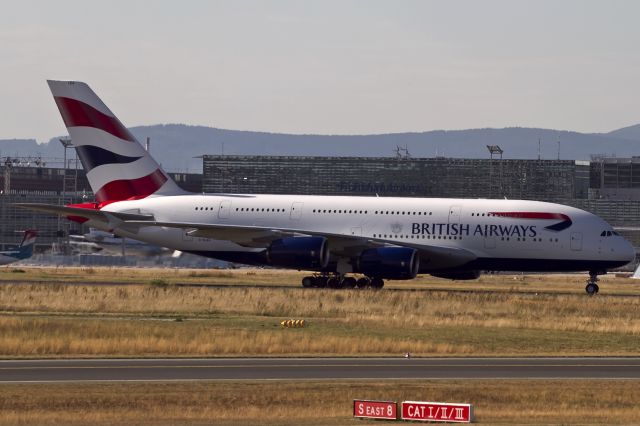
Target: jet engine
pixel 299 252
pixel 396 263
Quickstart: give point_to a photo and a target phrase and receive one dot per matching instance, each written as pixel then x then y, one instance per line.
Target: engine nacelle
pixel 299 252
pixel 396 263
pixel 457 275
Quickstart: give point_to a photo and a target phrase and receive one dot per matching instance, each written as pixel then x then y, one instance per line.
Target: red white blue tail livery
pixel 117 166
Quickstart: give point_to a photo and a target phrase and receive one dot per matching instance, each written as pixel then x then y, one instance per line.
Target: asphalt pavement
pixel 106 370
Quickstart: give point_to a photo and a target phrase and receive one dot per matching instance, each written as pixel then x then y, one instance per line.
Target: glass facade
pixel 406 177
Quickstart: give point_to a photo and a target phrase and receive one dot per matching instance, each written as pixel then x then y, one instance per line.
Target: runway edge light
pixel 366 409
pixel 437 412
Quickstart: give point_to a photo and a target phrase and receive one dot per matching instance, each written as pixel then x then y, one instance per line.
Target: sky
pixel 326 66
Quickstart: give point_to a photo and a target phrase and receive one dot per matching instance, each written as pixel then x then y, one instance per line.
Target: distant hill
pixel 19 147
pixel 631 132
pixel 175 145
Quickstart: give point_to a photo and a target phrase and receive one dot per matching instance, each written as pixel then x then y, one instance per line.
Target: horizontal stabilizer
pixel 89 214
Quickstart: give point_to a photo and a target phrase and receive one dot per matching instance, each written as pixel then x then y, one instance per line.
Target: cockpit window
pixel 608 233
pixel 603 234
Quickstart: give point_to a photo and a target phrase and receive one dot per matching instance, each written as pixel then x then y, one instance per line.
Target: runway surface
pixel 579 291
pixel 106 370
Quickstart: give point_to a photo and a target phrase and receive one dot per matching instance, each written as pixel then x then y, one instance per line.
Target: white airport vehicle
pixel 23 251
pixel 636 273
pixel 331 236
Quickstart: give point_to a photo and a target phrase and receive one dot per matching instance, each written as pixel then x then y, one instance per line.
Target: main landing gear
pixel 340 281
pixel 592 283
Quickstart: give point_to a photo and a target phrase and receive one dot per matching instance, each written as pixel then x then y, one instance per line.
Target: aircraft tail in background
pixel 23 251
pixel 28 241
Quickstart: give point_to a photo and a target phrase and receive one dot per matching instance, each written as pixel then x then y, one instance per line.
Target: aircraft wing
pixel 341 245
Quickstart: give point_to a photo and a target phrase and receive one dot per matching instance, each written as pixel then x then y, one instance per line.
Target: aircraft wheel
pixel 377 282
pixel 362 282
pixel 307 282
pixel 591 288
pixel 334 283
pixel 320 282
pixel 349 282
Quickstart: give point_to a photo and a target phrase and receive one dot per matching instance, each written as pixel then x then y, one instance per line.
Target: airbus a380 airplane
pixel 381 238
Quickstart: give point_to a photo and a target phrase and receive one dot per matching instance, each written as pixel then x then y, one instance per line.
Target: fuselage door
pixel 225 209
pixel 296 210
pixel 489 242
pixel 357 231
pixel 576 241
pixel 454 214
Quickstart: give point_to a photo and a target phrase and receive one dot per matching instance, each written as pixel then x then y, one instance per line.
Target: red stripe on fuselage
pixel 119 190
pixel 79 114
pixel 531 215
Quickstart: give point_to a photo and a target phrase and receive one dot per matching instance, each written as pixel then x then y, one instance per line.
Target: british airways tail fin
pixel 117 166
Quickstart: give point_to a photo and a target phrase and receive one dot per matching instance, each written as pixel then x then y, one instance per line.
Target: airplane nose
pixel 626 251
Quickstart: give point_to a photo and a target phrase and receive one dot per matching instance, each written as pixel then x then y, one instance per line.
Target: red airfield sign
pixel 437 412
pixel 375 409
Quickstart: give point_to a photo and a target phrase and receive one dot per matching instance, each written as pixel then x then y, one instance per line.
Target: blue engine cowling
pixel 299 252
pixel 396 263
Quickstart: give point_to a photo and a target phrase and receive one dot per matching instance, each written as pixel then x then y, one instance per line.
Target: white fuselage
pixel 524 243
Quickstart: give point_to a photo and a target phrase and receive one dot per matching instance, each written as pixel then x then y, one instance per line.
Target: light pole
pixel 494 149
pixel 66 143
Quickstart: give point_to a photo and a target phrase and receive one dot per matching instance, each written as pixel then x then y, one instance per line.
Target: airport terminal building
pixel 397 177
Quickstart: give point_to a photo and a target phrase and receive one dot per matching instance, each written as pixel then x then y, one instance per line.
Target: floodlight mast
pixel 494 150
pixel 66 199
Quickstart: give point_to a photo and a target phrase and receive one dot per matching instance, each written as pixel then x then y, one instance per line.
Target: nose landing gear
pixel 592 284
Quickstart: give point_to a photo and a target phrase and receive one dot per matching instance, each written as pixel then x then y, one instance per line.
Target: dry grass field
pixel 312 403
pixel 67 312
pixel 570 283
pixel 153 318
